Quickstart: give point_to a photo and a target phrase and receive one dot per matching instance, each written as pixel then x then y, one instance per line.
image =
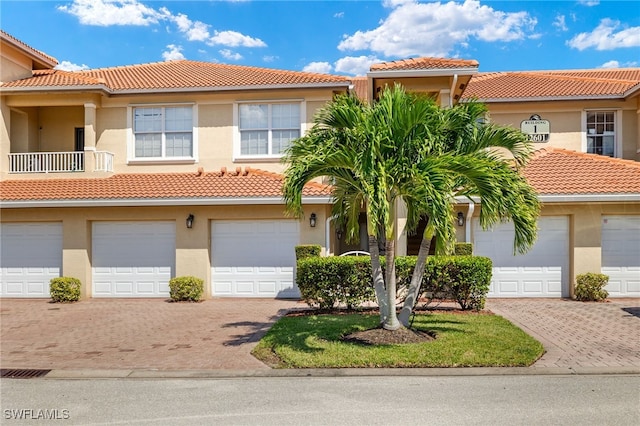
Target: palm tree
pixel 405 149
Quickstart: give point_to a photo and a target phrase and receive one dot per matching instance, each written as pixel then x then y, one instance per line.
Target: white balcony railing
pixel 58 162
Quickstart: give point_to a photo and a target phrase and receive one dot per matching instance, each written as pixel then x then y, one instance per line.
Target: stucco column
pixel 192 249
pixel 89 136
pixel 5 142
pixel 586 237
pixel 76 241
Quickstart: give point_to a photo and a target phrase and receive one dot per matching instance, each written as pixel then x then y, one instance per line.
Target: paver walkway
pixel 578 334
pixel 135 334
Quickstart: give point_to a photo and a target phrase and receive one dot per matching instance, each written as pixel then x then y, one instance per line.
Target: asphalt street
pixel 447 400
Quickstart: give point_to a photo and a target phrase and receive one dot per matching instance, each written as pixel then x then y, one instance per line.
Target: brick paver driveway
pixel 135 334
pixel 577 334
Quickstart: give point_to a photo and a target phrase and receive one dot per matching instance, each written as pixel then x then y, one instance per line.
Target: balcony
pixel 58 162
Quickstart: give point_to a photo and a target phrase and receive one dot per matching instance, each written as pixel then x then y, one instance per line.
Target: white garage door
pixel 621 255
pixel 254 258
pixel 133 259
pixel 30 255
pixel 542 272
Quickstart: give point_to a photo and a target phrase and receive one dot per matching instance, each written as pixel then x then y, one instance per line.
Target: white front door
pixel 541 272
pixel 254 258
pixel 30 255
pixel 621 255
pixel 133 259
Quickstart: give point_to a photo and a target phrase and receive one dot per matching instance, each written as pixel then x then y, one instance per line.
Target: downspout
pixel 453 88
pixel 467 231
pixel 327 235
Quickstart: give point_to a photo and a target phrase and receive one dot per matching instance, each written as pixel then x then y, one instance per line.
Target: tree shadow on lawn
pixel 255 329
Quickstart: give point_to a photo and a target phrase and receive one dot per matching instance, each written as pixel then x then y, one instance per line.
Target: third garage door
pixel 541 272
pixel 254 258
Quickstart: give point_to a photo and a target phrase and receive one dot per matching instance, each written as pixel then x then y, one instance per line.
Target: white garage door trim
pixel 541 272
pixel 621 254
pixel 30 255
pixel 254 258
pixel 133 259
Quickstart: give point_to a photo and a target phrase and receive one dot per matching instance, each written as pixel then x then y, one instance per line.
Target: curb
pixel 340 372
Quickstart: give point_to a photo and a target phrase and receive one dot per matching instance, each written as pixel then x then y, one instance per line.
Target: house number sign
pixel 536 128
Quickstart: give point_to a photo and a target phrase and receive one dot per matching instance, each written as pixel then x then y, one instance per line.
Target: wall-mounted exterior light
pixel 460 219
pixel 312 220
pixel 190 221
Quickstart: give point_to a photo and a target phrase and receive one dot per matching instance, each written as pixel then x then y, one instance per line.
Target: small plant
pixel 64 289
pixel 307 250
pixel 590 287
pixel 186 289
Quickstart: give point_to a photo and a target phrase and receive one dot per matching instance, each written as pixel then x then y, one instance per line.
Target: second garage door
pixel 133 259
pixel 254 258
pixel 541 272
pixel 621 255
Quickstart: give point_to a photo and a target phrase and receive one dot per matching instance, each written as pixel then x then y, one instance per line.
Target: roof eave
pixel 160 202
pixel 344 85
pixel 437 72
pixel 545 98
pixel 571 198
pixel 36 89
pixel 41 59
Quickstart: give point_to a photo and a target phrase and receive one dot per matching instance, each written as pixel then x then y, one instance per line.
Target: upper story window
pixel 163 132
pixel 266 130
pixel 601 132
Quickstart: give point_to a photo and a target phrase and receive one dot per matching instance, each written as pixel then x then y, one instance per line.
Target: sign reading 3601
pixel 537 130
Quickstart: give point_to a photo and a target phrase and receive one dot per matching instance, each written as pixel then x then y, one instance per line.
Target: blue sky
pixel 338 37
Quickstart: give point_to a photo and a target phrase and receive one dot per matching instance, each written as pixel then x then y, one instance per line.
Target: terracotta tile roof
pixel 559 171
pixel 55 78
pixel 37 54
pixel 360 87
pixel 553 84
pixel 424 64
pixel 247 183
pixel 183 74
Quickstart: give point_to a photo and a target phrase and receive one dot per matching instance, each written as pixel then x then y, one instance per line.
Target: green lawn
pixel 462 340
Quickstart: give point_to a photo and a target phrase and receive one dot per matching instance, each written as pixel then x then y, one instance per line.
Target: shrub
pixel 186 289
pixel 308 250
pixel 326 282
pixel 65 289
pixel 590 287
pixel 463 249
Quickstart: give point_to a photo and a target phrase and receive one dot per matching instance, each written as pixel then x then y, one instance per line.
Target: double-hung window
pixel 601 132
pixel 163 132
pixel 266 130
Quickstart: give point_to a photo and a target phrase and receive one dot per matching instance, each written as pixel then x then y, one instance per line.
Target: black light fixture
pixel 190 221
pixel 460 219
pixel 312 220
pixel 339 234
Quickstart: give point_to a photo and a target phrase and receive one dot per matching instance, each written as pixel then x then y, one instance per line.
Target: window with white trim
pixel 266 130
pixel 163 132
pixel 601 132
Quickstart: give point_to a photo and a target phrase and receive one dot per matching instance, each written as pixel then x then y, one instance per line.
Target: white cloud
pixel 173 54
pixel 616 64
pixel 105 13
pixel 269 58
pixel 318 67
pixel 234 39
pixel 195 31
pixel 605 37
pixel 338 15
pixel 560 23
pixel 69 66
pixel 228 54
pixel 589 3
pixel 435 29
pixel 355 65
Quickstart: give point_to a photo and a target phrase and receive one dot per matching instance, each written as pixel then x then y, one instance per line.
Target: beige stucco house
pixel 125 177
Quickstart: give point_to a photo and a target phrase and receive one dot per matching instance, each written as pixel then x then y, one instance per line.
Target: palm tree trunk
pixel 391 322
pixel 378 278
pixel 416 279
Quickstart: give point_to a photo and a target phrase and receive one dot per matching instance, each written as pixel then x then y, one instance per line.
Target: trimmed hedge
pixel 308 250
pixel 590 287
pixel 463 249
pixel 186 289
pixel 65 289
pixel 327 282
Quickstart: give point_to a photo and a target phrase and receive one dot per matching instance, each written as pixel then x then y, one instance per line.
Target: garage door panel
pixel 254 258
pixel 538 273
pixel 133 259
pixel 621 254
pixel 30 256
